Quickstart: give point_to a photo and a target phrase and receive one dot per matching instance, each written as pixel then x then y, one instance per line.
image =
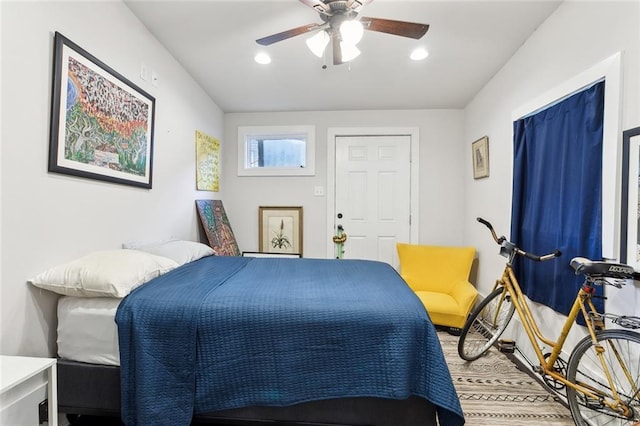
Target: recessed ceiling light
pixel 262 58
pixel 419 54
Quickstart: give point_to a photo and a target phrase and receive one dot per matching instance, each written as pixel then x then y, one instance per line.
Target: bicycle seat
pixel 594 268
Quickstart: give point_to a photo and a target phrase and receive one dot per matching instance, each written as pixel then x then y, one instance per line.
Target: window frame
pixel 277 131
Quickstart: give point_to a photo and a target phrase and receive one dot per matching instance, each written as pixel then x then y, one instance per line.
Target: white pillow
pixel 136 244
pixel 180 251
pixel 109 273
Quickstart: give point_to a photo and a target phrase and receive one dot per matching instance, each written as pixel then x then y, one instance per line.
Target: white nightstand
pixel 22 388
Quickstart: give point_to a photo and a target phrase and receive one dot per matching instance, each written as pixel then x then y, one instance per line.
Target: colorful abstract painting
pixel 102 124
pixel 217 227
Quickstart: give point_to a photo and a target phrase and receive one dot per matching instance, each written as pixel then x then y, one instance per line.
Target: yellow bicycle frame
pixel 593 319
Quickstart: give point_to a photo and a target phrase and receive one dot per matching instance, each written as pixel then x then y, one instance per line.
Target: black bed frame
pixel 90 389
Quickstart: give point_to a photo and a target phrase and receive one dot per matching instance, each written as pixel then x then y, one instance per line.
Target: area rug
pixel 493 391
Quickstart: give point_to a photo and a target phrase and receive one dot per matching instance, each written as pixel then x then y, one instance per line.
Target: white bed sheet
pixel 87 331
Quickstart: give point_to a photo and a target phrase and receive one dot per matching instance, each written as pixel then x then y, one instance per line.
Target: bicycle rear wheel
pixel 485 324
pixel 621 358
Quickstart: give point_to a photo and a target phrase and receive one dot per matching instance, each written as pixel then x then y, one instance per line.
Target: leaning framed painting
pixel 217 228
pixel 101 123
pixel 630 200
pixel 280 230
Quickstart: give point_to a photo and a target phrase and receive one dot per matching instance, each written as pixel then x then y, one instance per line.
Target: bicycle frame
pixel 584 304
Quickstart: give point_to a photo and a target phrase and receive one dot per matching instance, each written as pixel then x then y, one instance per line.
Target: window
pixel 276 151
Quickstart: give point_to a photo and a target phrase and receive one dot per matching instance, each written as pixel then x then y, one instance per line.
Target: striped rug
pixel 494 392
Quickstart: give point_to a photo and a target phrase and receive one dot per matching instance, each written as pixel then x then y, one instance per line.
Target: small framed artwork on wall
pixel 480 157
pixel 280 230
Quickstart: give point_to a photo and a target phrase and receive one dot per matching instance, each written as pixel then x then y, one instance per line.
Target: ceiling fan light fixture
pixel 349 51
pixel 343 29
pixel 419 54
pixel 318 43
pixel 262 58
pixel 351 31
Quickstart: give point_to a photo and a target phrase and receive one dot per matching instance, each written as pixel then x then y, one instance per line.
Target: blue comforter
pixel 229 332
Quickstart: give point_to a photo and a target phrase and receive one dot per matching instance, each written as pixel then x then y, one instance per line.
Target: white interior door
pixel 373 194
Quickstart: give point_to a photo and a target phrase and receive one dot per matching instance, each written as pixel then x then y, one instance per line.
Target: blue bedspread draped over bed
pixel 228 332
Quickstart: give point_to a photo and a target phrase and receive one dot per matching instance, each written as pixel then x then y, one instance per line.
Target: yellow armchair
pixel 439 275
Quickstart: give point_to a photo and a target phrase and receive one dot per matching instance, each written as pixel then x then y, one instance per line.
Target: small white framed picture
pixel 480 157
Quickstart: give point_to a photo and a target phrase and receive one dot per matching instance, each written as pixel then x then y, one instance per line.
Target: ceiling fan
pixel 342 27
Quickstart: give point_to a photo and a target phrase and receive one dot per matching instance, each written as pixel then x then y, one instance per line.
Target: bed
pixel 240 340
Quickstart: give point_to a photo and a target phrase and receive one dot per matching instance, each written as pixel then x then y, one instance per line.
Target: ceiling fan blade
pixel 318 6
pixel 337 49
pixel 266 41
pixel 400 28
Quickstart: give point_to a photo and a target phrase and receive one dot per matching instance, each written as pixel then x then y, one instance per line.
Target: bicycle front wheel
pixel 485 324
pixel 610 370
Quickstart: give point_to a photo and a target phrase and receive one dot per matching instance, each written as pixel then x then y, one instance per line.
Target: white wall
pixel 48 218
pixel 442 166
pixel 576 37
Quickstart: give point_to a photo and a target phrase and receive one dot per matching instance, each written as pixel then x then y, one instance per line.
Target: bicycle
pixel 602 376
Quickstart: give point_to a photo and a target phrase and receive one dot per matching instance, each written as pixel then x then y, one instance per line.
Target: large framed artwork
pixel 630 201
pixel 280 230
pixel 101 123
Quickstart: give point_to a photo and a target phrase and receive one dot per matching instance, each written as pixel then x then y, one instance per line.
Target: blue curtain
pixel 557 193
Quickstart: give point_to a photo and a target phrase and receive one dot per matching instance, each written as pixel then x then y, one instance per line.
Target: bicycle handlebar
pixel 486 223
pixel 500 240
pixel 537 258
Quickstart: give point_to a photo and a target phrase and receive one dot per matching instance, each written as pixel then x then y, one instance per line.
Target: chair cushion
pixel 443 309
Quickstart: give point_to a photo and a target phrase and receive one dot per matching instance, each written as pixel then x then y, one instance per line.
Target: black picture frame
pixel 101 123
pixel 280 255
pixel 630 219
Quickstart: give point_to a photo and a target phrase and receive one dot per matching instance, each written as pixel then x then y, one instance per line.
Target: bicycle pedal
pixel 507 346
pixel 592 403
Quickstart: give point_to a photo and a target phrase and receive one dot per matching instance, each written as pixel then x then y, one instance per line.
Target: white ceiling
pixel 214 40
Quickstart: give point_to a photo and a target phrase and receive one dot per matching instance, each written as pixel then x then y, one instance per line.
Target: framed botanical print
pixel 280 230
